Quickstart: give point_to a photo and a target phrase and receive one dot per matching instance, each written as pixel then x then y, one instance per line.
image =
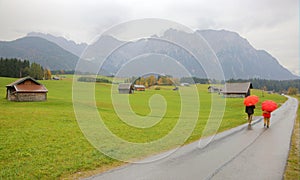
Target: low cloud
pixel 268 24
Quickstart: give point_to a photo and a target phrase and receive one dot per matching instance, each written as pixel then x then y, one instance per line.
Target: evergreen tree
pixel 13 67
pixel 36 71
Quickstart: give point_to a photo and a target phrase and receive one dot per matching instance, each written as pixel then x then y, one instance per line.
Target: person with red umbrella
pixel 267 107
pixel 250 102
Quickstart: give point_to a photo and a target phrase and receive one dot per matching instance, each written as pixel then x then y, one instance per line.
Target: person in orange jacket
pixel 267 116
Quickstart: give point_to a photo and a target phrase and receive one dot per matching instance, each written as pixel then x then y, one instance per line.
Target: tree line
pixel 196 80
pixel 280 86
pixel 153 80
pixel 17 68
pixel 92 79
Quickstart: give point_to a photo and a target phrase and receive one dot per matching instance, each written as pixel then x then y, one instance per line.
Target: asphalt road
pixel 240 153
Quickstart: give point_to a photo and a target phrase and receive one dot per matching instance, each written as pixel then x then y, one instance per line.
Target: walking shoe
pixel 264 125
pixel 267 126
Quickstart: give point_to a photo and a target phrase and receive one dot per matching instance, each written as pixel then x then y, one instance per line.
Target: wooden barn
pixel 125 88
pixel 26 89
pixel 237 89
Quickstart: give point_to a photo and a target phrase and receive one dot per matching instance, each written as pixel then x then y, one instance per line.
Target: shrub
pixel 92 79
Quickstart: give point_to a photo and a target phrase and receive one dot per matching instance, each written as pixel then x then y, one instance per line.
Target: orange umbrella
pixel 251 100
pixel 268 105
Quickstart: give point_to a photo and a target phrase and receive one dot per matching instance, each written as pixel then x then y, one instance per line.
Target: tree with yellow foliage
pixel 47 74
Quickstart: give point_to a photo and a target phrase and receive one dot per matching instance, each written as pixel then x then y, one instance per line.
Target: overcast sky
pixel 272 25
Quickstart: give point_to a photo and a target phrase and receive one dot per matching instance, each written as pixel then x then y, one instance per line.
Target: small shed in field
pixel 213 89
pixel 237 89
pixel 139 87
pixel 125 88
pixel 26 89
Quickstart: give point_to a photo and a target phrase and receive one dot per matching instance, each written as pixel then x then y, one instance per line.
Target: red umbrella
pixel 251 100
pixel 269 106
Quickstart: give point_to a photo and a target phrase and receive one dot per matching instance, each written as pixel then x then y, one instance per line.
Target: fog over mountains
pixel 238 59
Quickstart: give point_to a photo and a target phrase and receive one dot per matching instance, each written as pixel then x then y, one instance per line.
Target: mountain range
pixel 68 45
pixel 39 50
pixel 238 59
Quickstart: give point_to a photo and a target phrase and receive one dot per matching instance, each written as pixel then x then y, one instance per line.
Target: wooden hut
pixel 213 89
pixel 26 89
pixel 125 88
pixel 237 89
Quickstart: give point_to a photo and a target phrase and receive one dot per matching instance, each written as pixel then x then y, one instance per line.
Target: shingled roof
pixel 21 87
pixel 237 87
pixel 125 86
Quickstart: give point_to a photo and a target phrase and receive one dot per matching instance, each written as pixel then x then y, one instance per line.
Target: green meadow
pixel 292 170
pixel 43 139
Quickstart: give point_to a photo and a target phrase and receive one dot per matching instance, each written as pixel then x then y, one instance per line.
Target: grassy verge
pixel 293 164
pixel 43 140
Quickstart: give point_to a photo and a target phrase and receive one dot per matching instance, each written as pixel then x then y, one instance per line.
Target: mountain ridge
pixel 238 58
pixel 259 63
pixel 68 45
pixel 39 50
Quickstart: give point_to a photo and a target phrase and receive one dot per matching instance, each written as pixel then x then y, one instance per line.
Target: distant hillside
pixel 68 45
pixel 39 50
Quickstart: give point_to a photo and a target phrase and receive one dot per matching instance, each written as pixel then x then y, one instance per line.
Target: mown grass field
pixel 293 164
pixel 43 140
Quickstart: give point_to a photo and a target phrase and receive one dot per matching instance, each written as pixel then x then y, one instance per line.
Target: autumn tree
pixel 152 80
pixel 47 74
pixel 293 91
pixel 142 81
pixel 146 84
pixel 160 81
pixel 137 82
pixel 169 81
